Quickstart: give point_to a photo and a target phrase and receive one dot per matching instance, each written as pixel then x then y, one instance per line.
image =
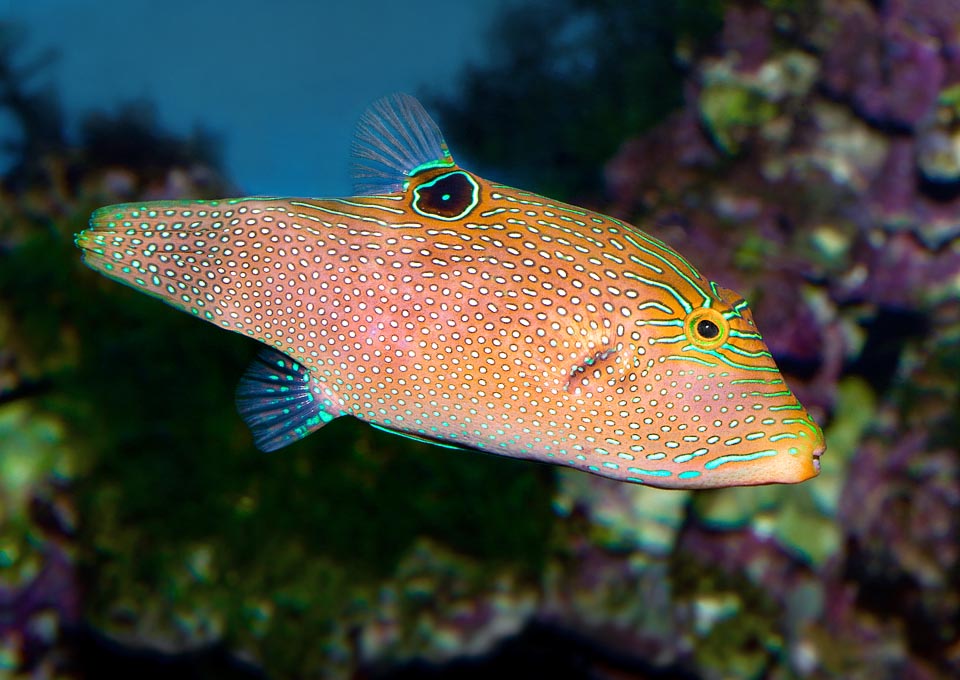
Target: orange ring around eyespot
pixel 709 314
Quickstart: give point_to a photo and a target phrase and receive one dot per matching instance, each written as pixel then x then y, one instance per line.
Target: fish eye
pixel 451 196
pixel 706 328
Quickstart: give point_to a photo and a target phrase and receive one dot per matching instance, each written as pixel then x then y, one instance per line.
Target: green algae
pixel 739 106
pixel 734 619
pixel 802 518
pixel 623 516
pixel 32 453
pixel 950 99
pixel 192 535
pixel 306 534
pixel 729 108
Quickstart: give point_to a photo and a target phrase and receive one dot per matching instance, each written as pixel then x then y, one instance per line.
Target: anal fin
pixel 280 401
pixel 418 438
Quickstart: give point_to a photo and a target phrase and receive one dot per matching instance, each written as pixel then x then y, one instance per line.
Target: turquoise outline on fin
pixel 395 138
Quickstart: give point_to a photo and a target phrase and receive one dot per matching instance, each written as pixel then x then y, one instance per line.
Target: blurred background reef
pixel 803 153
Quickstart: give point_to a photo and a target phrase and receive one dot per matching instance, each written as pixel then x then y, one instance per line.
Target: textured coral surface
pixel 812 162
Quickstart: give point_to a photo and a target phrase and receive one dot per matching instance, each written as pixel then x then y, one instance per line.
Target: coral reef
pixel 814 171
pixel 814 166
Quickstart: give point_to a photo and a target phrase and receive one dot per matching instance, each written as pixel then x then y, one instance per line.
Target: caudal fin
pixel 182 252
pixel 162 248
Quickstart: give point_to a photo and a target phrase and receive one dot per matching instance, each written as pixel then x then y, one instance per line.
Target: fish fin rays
pixel 394 138
pixel 280 401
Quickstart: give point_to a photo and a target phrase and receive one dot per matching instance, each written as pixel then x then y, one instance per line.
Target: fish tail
pixel 162 248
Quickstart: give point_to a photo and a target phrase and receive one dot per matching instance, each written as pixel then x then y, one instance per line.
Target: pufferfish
pixel 448 308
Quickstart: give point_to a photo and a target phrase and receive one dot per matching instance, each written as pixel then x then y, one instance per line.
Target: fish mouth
pixel 817 452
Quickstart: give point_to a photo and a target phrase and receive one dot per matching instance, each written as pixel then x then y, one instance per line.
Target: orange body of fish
pixel 445 307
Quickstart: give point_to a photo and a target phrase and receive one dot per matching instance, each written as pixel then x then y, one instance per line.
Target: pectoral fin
pixel 281 401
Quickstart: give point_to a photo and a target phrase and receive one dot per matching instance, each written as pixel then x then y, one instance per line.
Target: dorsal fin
pixel 394 138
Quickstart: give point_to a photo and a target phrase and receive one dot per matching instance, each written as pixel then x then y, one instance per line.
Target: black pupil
pixel 707 329
pixel 447 197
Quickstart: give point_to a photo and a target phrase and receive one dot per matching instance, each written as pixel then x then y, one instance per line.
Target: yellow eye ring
pixel 706 328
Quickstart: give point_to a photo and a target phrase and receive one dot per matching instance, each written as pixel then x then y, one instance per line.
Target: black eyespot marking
pixel 448 197
pixel 707 329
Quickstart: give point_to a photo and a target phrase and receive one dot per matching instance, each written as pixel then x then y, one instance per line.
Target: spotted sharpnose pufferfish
pixel 445 307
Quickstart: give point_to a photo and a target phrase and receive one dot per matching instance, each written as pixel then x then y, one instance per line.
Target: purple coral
pixel 35 613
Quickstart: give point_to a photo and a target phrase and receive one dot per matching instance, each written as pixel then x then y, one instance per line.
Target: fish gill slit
pixel 593 361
